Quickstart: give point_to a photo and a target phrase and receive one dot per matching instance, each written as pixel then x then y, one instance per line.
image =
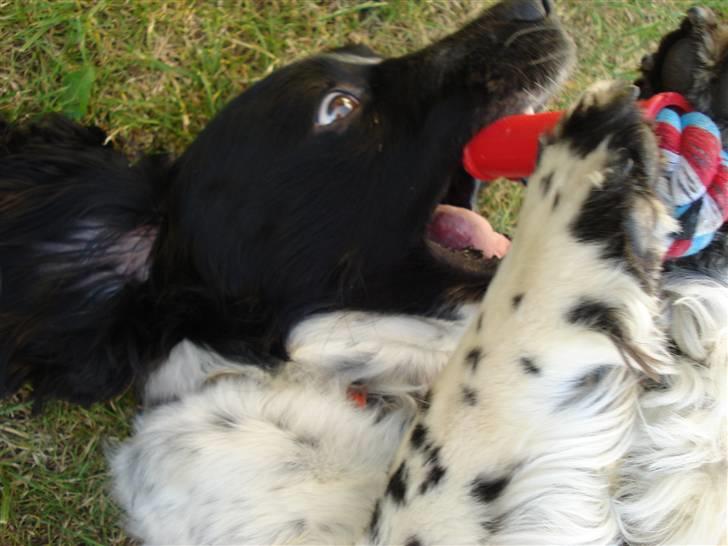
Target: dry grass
pixel 152 73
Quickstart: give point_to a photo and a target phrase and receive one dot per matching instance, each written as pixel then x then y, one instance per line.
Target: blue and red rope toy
pixel 695 180
pixel 695 168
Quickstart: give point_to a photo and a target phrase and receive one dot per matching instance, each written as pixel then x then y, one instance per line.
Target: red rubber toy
pixel 508 147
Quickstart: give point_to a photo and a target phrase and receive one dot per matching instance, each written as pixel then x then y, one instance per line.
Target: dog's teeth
pixel 529 110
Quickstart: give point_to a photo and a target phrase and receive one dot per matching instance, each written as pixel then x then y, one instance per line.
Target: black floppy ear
pixel 77 228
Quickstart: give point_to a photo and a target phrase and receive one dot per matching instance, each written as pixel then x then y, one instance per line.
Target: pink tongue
pixel 458 228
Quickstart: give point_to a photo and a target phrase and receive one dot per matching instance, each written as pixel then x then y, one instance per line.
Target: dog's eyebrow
pixel 354 59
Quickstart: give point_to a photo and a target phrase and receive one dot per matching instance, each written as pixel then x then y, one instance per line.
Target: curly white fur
pixel 673 484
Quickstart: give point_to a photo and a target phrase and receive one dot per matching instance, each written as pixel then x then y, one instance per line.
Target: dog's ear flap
pixel 78 226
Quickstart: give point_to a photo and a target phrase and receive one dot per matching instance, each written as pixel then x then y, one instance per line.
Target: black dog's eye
pixel 335 106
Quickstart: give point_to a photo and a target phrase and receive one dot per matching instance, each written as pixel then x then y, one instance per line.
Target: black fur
pixel 557 198
pixel 374 522
pixel 597 316
pixel 70 321
pixel 469 395
pixel 546 182
pixel 487 490
pixel 473 358
pixel 529 366
pixel 419 434
pixel 634 159
pixel 267 217
pixel 397 486
pixel 434 475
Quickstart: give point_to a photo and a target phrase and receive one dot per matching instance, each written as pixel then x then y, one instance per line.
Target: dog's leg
pixel 391 355
pixel 395 356
pixel 250 460
pixel 529 418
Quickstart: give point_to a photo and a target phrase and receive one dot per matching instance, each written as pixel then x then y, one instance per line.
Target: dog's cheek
pixel 678 66
pixel 721 92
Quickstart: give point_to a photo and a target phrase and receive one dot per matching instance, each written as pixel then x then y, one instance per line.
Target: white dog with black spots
pixel 584 404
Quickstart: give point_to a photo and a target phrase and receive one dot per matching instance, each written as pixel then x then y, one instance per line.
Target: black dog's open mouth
pixel 460 228
pixel 455 225
pixel 518 66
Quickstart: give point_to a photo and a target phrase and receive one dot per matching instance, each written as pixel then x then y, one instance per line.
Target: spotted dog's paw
pixel 618 151
pixel 536 400
pixel 693 60
pixel 591 236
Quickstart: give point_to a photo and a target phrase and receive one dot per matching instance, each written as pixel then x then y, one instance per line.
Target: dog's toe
pixel 610 186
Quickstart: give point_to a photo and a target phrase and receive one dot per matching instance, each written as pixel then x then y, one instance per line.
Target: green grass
pixel 152 73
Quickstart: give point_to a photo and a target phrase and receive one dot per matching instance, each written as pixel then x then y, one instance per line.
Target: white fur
pixel 251 463
pixel 391 354
pixel 674 482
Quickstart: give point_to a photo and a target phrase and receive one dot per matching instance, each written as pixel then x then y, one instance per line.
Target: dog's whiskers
pixel 523 32
pixel 548 58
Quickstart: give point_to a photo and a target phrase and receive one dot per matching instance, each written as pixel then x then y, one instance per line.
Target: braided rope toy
pixel 695 178
pixel 695 168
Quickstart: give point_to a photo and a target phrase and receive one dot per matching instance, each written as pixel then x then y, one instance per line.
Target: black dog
pixel 312 191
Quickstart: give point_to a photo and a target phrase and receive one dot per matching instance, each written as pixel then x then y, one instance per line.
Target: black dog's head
pixel 313 191
pixel 314 188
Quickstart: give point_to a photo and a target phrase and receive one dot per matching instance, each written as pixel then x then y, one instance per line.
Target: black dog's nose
pixel 527 10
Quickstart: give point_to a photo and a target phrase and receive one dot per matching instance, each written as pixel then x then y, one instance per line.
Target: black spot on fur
pixel 470 396
pixel 600 221
pixel 434 475
pixel 485 490
pixel 546 183
pixel 374 523
pixel 494 525
pixel 596 315
pixel 479 323
pixel 602 318
pixel 435 470
pixel 517 299
pixel 419 433
pixel 608 216
pixel 473 358
pixel 413 541
pixel 529 366
pixel 557 198
pixel 587 127
pixel 433 454
pixel 584 385
pixel 397 486
pixel 426 401
pixel 593 378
